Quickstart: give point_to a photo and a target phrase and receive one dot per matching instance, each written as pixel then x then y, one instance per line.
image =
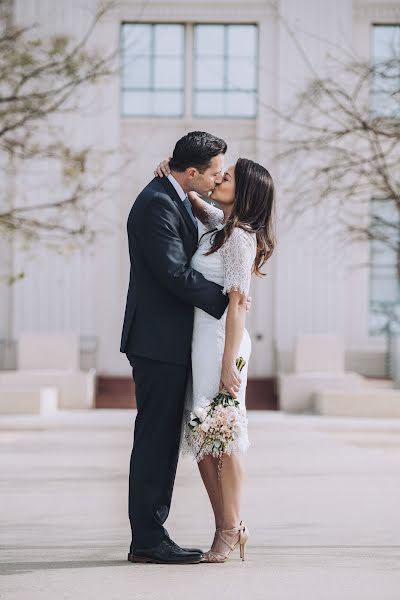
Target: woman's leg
pixel 224 493
pixel 208 472
pixel 230 488
pixel 231 483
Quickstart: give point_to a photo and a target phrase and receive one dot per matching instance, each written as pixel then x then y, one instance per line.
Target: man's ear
pixel 191 172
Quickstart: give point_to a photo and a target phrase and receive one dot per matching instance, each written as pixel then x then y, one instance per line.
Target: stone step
pixel 115 385
pixel 119 392
pixel 115 401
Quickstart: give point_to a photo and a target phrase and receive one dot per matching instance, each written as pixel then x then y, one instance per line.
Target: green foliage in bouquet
pixel 224 397
pixel 215 427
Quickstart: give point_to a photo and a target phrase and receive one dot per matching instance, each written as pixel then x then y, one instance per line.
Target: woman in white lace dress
pixel 233 243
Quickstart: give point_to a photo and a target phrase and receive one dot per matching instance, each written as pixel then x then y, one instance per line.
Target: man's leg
pixel 160 393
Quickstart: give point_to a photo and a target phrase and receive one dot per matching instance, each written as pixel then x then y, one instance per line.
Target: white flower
pixel 200 413
pixel 205 426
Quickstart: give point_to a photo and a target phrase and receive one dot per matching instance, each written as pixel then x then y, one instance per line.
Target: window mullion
pixel 153 90
pixel 225 90
pixel 152 66
pixel 189 68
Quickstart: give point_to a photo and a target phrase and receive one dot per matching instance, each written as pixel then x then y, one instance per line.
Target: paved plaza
pixel 322 504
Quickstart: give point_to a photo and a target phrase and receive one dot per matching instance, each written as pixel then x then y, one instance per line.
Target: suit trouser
pixel 160 394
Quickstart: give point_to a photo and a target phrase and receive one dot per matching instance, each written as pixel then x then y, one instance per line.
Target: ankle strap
pixel 221 531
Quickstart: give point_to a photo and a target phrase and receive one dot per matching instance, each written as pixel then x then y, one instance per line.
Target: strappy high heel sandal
pixel 218 557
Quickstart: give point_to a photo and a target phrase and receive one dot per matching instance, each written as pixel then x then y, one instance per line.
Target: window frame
pixel 225 90
pixel 188 90
pixel 373 62
pixel 151 89
pixel 376 274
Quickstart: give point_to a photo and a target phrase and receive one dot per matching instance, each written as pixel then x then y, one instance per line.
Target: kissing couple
pixel 184 333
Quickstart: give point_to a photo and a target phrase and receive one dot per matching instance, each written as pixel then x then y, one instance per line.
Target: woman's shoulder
pixel 241 243
pixel 242 236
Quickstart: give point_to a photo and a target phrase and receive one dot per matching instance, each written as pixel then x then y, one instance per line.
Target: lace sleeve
pixel 214 216
pixel 238 254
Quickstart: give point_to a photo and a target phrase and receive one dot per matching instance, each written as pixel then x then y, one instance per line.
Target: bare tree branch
pixel 42 79
pixel 346 128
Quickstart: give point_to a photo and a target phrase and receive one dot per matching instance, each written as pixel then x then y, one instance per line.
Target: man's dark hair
pixel 196 149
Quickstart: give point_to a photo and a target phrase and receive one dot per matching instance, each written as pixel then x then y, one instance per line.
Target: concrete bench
pixel 319 362
pixel 296 389
pixel 378 402
pixel 28 400
pixel 51 359
pixel 75 388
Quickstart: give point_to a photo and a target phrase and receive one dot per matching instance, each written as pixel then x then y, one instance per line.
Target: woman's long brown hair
pixel 252 210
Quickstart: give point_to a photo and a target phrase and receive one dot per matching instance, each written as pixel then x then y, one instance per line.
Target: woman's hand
pixel 163 168
pixel 230 378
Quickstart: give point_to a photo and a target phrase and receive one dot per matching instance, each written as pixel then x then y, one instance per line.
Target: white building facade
pixel 178 61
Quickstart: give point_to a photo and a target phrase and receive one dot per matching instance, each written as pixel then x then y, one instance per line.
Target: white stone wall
pixel 311 285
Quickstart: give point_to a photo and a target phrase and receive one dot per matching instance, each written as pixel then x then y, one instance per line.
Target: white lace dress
pixel 230 267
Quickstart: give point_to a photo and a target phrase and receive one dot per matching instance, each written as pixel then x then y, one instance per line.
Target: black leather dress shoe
pixel 196 550
pixel 167 552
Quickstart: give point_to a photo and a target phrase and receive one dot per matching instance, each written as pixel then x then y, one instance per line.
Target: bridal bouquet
pixel 214 427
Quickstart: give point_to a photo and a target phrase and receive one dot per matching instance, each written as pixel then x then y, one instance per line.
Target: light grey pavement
pixel 322 503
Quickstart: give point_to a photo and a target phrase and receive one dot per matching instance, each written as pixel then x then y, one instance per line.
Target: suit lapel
pixel 173 194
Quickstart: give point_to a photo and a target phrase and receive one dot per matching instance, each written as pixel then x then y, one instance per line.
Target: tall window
pixel 152 69
pixel 225 70
pixel 222 80
pixel 384 280
pixel 385 92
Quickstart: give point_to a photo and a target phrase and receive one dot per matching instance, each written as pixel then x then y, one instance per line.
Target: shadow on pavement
pixel 13 568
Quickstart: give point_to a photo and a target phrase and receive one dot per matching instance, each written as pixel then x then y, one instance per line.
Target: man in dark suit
pixel 157 334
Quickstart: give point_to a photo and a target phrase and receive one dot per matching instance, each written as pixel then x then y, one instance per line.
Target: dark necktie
pixel 188 206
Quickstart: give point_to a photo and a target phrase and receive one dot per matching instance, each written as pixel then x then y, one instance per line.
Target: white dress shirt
pixel 177 186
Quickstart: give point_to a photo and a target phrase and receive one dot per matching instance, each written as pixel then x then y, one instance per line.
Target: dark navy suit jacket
pixel 163 288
